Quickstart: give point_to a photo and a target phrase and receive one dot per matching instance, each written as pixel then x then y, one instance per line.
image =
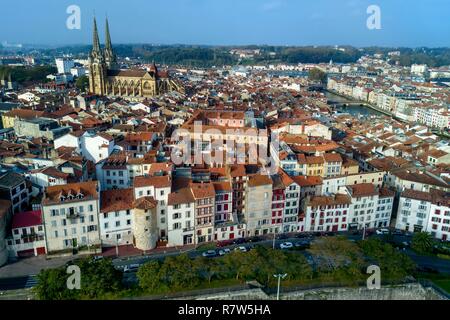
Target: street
pixel 21 274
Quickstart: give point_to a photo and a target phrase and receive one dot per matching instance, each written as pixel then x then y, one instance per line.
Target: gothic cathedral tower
pixel 97 66
pixel 110 57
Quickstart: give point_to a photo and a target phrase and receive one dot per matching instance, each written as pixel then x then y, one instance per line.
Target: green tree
pixel 97 279
pixel 82 83
pixel 393 264
pixel 149 277
pixel 179 272
pixel 52 285
pixel 316 74
pixel 422 242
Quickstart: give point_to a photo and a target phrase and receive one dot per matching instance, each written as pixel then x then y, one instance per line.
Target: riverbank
pixel 349 101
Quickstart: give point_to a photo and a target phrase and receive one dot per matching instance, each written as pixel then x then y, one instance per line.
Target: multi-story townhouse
pixel 415 179
pixel 224 202
pixel 116 217
pixel 278 203
pixel 119 170
pixel 327 213
pixel 13 187
pixel 332 164
pixel 349 166
pixel 48 176
pixel 181 218
pixel 204 196
pixel 424 211
pixel 309 185
pixel 27 235
pixel 292 205
pixel 159 188
pixel 93 146
pixel 332 184
pixel 375 178
pixel 258 205
pixel 5 218
pixel 112 173
pixel 315 166
pixel 239 180
pixel 413 210
pixel 70 213
pixel 138 143
pixel 364 197
pixel 439 223
pixel 384 208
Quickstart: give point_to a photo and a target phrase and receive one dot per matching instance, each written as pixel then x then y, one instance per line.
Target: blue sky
pixel 410 23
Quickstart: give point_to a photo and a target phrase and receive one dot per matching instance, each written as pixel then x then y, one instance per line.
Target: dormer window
pixel 62 198
pixel 70 197
pixel 80 196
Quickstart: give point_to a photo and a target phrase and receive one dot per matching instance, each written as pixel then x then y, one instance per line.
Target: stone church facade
pixel 106 79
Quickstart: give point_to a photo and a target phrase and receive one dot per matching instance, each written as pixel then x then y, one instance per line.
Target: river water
pixel 354 110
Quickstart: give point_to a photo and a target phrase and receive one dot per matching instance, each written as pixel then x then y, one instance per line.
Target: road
pixel 27 281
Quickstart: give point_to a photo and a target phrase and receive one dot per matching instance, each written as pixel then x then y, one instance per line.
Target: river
pixel 354 110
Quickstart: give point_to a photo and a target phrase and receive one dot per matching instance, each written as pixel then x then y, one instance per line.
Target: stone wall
pixel 412 291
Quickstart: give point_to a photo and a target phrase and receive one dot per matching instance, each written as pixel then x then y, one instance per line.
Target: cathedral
pixel 107 79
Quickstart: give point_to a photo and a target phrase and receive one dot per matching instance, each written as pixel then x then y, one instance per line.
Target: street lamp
pixel 364 231
pixel 274 238
pixel 279 276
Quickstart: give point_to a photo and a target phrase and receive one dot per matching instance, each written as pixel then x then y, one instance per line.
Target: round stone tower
pixel 145 223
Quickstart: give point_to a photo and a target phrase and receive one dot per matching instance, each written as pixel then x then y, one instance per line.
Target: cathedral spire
pixel 108 45
pixel 95 39
pixel 110 57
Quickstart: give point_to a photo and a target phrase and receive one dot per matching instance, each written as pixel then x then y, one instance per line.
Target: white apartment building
pixel 93 146
pixel 327 213
pixel 258 203
pixel 181 218
pixel 70 214
pixel 159 188
pixel 115 219
pixel 64 65
pixel 424 211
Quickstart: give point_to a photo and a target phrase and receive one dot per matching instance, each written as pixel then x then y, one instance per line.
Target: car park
pixel 209 254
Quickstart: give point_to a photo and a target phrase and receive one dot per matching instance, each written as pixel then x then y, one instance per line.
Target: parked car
pixel 131 268
pixel 382 231
pixel 397 232
pixel 241 248
pixel 209 254
pixel 96 258
pixel 239 241
pixel 286 245
pixel 224 243
pixel 223 252
pixel 283 236
pixel 255 239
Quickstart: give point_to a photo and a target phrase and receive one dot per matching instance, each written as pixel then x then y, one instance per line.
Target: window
pixel 117 223
pixel 128 222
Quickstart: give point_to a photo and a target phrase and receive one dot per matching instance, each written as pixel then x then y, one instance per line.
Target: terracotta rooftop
pixel 53 194
pixel 156 181
pixel 202 190
pixel 116 200
pixel 363 190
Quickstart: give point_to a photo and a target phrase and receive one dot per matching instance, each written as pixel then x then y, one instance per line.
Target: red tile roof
pixel 27 219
